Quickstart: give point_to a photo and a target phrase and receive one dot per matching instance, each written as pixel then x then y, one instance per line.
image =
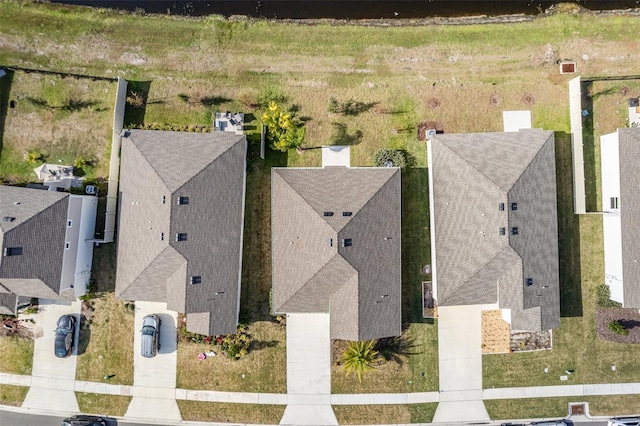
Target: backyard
pixel 461 77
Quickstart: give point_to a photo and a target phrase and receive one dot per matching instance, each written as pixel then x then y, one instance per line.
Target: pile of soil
pixel 629 318
pixel 12 326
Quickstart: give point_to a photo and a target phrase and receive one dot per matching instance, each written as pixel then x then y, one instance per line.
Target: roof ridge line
pixel 155 172
pixel 538 153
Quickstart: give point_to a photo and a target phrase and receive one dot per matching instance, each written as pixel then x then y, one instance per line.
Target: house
pixel 620 155
pixel 47 244
pixel 181 216
pixel 336 246
pixel 494 232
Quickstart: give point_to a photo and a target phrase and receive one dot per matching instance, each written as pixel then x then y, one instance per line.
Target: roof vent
pixel 330 242
pixel 12 251
pixel 17 203
pixel 346 242
pixel 327 214
pixel 183 200
pixel 8 219
pixel 196 279
pixel 346 213
pixel 529 282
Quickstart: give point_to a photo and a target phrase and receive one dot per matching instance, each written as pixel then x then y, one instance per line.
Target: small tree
pixel 236 345
pixel 387 157
pixel 32 157
pixel 359 358
pixel 284 130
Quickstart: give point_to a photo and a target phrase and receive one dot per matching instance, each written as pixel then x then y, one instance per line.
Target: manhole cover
pixel 494 100
pixel 433 103
pixel 577 409
pixel 528 99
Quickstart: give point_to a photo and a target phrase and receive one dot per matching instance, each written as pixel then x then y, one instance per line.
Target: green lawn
pixel 230 412
pixel 384 414
pixel 13 395
pixel 16 355
pixel 97 403
pixel 527 408
pixel 106 346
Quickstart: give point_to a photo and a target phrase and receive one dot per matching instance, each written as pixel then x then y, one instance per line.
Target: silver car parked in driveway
pixel 150 335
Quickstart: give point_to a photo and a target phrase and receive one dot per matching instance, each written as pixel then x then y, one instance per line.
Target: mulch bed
pixel 629 318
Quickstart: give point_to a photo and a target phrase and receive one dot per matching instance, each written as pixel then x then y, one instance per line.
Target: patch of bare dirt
pixel 629 318
pixel 13 326
pixel 495 333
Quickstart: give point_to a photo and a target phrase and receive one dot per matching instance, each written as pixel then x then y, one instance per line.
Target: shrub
pixel 236 345
pixel 618 328
pixel 199 128
pixel 135 99
pixel 603 294
pixel 359 358
pixel 334 107
pixel 284 130
pixel 386 157
pixel 32 157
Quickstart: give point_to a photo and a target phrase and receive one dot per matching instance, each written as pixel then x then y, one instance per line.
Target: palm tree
pixel 359 358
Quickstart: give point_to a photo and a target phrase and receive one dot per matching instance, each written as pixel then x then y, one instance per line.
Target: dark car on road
pixel 84 420
pixel 65 335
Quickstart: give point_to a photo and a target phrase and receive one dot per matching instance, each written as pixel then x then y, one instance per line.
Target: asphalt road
pixel 8 418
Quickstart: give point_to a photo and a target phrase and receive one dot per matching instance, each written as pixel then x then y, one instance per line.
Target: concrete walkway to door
pixel 460 364
pixel 308 371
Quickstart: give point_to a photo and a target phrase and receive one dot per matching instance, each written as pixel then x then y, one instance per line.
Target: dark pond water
pixel 345 9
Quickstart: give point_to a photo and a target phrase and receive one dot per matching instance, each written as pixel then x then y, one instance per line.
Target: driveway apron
pixel 52 378
pixel 308 371
pixel 154 379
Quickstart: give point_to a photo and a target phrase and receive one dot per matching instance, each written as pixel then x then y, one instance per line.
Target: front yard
pixel 16 355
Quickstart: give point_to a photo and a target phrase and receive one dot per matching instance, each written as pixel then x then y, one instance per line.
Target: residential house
pixel 47 244
pixel 181 222
pixel 494 232
pixel 620 156
pixel 336 246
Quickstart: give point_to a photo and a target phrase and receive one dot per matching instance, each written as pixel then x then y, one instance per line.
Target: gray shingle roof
pixel 208 169
pixel 472 174
pixel 36 223
pixel 360 285
pixel 629 143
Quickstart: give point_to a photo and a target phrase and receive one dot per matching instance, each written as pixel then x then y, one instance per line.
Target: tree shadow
pixel 72 105
pixel 397 348
pixel 341 135
pixel 214 100
pixel 257 345
pixel 354 108
pixel 134 112
pixel 629 324
pixel 5 90
pixel 568 231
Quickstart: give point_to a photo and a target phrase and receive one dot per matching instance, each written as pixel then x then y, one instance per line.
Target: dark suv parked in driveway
pixel 65 335
pixel 84 420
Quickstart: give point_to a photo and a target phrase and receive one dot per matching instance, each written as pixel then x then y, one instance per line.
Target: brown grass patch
pixel 16 355
pixel 495 333
pixel 98 403
pixel 106 346
pixel 230 413
pixel 264 367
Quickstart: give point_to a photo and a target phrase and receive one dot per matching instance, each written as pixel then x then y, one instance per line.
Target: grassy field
pixel 61 119
pixel 264 367
pixel 384 414
pixel 230 413
pixel 96 403
pixel 106 346
pixel 13 395
pixel 16 355
pixel 504 409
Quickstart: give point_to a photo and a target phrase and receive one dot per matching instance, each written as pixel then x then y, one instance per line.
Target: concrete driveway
pixel 308 371
pixel 52 378
pixel 460 364
pixel 154 379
